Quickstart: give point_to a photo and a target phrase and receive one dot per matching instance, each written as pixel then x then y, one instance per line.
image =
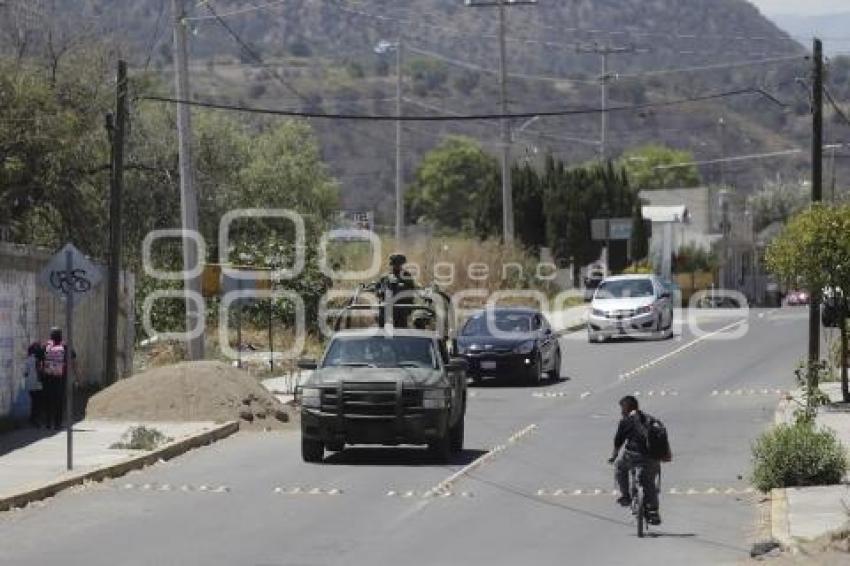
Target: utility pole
pixel 116 188
pixel 605 51
pixel 188 198
pixel 507 189
pixel 399 189
pixel 817 188
pixel 721 130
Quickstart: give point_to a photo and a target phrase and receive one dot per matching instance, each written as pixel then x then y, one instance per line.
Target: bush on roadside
pixel 797 455
pixel 141 438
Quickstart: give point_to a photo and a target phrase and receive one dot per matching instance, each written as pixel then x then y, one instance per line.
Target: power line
pixel 480 69
pixel 259 60
pixel 461 118
pixel 713 67
pixel 560 30
pixel 729 159
pixel 836 107
pixel 235 12
pixel 250 51
pixel 156 34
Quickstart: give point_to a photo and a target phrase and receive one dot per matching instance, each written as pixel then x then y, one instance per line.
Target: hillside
pixel 319 55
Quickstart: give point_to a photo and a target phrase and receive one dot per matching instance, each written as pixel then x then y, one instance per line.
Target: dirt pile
pixel 190 391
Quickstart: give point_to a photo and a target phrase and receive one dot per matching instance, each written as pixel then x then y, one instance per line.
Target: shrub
pixel 797 455
pixel 141 438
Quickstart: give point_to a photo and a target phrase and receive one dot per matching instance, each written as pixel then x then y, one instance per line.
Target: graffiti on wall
pixel 8 383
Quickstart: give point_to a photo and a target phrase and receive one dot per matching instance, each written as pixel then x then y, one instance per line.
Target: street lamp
pixel 382 48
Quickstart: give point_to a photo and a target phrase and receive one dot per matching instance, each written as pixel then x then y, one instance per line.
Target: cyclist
pixel 632 438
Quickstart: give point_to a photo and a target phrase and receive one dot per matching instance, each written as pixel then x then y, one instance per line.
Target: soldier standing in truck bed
pixel 397 281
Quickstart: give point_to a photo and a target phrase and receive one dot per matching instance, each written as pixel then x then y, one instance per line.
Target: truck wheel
pixel 312 451
pixel 456 435
pixel 441 449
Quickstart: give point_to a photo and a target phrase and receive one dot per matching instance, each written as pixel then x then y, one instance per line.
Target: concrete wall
pixel 702 228
pixel 28 311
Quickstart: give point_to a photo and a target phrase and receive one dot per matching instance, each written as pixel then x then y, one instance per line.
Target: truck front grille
pixel 369 400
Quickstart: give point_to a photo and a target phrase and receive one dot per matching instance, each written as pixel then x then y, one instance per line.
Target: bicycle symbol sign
pixel 66 282
pixel 80 279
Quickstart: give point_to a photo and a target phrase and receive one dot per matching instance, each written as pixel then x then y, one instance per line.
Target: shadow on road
pixel 657 534
pixel 511 383
pixel 406 456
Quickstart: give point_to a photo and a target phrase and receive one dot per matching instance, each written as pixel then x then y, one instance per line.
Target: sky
pixel 810 7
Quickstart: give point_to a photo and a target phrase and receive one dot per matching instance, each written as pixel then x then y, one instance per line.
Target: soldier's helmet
pixel 397 259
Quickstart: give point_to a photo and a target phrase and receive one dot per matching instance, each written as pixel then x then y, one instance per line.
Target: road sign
pixel 599 229
pixel 620 229
pixel 70 275
pixel 82 277
pixel 604 229
pixel 214 282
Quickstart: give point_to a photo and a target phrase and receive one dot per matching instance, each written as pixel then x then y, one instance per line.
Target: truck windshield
pixel 380 351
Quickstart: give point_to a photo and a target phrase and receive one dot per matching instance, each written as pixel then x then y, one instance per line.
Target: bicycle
pixel 638 505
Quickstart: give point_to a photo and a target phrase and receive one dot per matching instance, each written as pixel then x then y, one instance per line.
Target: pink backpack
pixel 54 359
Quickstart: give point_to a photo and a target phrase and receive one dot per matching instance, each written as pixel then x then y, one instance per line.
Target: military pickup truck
pixel 386 387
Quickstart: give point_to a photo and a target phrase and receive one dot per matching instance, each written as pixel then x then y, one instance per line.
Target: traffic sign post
pixel 69 349
pixel 67 274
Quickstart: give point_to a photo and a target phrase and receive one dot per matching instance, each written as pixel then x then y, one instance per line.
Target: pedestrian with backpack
pixel 55 371
pixel 640 442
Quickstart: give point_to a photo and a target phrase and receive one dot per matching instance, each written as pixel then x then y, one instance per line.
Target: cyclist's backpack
pixel 657 442
pixel 54 359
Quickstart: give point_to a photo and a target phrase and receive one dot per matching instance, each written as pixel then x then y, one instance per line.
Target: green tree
pixel 814 251
pixel 573 198
pixel 456 187
pixel 648 168
pixel 53 152
pixel 428 75
pixel 640 234
pixel 529 214
pixel 777 201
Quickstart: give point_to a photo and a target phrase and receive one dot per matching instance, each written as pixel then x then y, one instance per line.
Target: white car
pixel 629 305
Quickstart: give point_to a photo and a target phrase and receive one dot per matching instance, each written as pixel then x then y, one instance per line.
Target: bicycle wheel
pixel 640 514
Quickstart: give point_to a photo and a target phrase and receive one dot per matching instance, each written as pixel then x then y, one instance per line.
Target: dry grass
pixel 254 340
pixel 454 263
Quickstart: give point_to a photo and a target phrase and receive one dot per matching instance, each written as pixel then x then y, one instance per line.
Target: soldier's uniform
pixel 397 281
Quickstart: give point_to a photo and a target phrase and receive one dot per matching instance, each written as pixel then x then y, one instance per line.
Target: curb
pixel 118 469
pixel 780 528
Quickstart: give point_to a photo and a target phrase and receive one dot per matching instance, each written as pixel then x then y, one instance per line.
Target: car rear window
pixel 625 288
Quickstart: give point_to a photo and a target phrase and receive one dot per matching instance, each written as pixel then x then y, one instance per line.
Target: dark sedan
pixel 514 343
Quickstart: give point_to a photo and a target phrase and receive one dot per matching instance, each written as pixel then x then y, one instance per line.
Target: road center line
pixel 679 350
pixel 444 485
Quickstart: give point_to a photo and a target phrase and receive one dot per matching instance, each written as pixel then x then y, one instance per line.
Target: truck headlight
pixel 311 397
pixel 434 399
pixel 598 312
pixel 525 347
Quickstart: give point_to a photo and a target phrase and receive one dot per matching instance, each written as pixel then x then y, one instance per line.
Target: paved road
pixel 248 501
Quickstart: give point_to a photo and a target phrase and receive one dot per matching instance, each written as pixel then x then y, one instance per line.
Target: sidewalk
pixel 807 513
pixel 283 387
pixel 35 460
